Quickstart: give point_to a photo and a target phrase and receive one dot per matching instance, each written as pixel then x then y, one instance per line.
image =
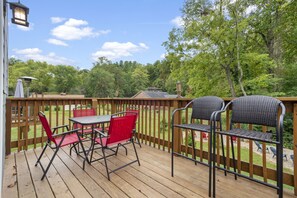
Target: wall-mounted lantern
pixel 19 13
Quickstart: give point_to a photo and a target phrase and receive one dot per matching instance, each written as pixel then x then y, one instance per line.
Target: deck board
pixel 152 179
pixel 42 189
pixel 53 178
pixel 26 187
pixel 74 185
pixel 9 179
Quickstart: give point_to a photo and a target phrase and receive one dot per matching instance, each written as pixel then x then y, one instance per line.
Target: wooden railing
pixel 23 129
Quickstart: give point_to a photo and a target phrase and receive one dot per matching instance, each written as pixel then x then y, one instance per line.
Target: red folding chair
pixel 56 141
pixel 133 111
pixel 86 129
pixel 119 134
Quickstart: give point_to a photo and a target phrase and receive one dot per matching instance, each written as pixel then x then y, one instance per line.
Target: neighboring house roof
pixel 153 94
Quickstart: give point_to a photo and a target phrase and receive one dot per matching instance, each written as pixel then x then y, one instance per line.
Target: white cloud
pixel 75 22
pixel 163 56
pixel 57 19
pixel 115 50
pixel 24 28
pixel 36 54
pixel 178 21
pixel 74 29
pixel 57 42
pixel 143 45
pixel 251 9
pixel 28 51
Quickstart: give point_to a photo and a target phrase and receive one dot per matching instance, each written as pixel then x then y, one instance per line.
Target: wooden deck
pixel 152 179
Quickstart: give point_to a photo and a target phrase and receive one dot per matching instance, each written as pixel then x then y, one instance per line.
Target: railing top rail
pixel 284 99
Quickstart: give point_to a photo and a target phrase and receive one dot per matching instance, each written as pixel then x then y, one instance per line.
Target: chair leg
pixel 50 163
pixel 137 139
pixel 38 160
pixel 213 141
pixel 233 156
pixel 135 152
pixel 223 151
pixel 279 150
pixel 92 150
pixel 210 164
pixel 116 152
pixel 125 148
pixel 73 147
pixel 105 161
pixel 193 143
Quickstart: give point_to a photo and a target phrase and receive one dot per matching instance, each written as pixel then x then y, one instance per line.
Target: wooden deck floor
pixel 152 179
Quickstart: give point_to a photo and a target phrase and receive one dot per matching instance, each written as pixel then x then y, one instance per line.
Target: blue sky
pixel 76 32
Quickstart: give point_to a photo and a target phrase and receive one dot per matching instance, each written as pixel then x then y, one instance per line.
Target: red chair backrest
pixel 46 127
pixel 132 112
pixel 120 128
pixel 83 112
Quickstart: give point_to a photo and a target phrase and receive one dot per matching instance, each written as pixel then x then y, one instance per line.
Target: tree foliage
pixel 234 44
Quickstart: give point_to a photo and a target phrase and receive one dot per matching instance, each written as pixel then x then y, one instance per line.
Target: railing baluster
pixel 164 121
pixel 150 123
pixel 35 112
pixel 19 125
pixel 154 122
pixel 159 123
pixel 295 145
pixel 238 153
pixel 251 155
pixel 228 139
pixel 218 146
pixel 201 145
pixel 169 128
pixel 264 129
pixel 187 131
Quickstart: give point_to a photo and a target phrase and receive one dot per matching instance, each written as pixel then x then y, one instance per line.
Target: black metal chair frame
pixel 56 147
pixel 201 111
pixel 102 135
pixel 272 118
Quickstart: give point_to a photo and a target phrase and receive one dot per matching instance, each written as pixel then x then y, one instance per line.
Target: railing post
pixel 177 131
pixel 8 127
pixel 295 146
pixel 94 104
pixel 113 106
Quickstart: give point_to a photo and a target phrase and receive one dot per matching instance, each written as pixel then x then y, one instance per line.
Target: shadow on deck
pixel 152 179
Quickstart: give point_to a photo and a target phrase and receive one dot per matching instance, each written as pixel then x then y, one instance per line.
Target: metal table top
pixel 88 120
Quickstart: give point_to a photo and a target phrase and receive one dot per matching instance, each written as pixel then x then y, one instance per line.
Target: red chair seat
pixel 69 139
pixel 104 140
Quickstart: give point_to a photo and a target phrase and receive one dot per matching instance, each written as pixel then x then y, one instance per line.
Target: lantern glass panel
pixel 19 13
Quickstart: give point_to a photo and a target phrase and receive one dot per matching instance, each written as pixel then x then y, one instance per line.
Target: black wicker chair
pixel 202 109
pixel 257 110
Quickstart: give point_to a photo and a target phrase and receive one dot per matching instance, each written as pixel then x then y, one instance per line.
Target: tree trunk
pixel 230 82
pixel 237 53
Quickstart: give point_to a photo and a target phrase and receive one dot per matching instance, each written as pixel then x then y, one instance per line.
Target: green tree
pixel 65 78
pixel 100 83
pixel 140 79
